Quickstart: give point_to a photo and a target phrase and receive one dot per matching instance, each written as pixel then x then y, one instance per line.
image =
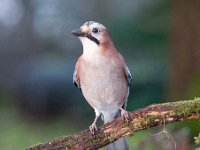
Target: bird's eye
pixel 95 30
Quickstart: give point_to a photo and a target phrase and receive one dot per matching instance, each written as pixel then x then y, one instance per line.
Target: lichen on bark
pixel 141 119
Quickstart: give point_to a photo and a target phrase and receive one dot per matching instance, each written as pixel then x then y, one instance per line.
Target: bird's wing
pixel 129 80
pixel 76 79
pixel 127 72
pixel 128 77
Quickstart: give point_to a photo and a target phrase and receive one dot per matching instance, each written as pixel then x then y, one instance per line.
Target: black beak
pixel 78 33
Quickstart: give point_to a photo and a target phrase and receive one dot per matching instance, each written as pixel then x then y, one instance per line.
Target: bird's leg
pixel 93 127
pixel 124 114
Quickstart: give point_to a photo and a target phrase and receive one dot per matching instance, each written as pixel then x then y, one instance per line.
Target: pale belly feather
pixel 104 86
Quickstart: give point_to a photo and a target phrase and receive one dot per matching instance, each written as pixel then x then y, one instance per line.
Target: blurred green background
pixel 159 39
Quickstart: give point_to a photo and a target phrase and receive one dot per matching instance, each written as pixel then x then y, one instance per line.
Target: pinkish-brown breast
pixel 103 81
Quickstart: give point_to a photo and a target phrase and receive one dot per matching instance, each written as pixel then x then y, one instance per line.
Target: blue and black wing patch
pixel 76 80
pixel 129 79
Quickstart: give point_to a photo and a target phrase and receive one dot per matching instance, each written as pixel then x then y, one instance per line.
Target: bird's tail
pixel 120 144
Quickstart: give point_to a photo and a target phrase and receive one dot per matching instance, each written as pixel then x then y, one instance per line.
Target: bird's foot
pixel 125 115
pixel 93 128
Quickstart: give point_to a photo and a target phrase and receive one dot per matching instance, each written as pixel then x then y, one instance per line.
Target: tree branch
pixel 153 115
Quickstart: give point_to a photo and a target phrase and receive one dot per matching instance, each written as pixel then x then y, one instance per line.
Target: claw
pixel 125 115
pixel 93 128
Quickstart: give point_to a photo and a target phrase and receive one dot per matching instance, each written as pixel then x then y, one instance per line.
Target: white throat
pixel 90 48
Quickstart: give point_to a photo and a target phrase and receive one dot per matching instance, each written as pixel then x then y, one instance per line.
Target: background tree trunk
pixel 185 49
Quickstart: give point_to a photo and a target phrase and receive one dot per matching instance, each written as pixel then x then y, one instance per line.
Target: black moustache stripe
pixel 93 39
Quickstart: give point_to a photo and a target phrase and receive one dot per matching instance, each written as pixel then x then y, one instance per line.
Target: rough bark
pixel 153 115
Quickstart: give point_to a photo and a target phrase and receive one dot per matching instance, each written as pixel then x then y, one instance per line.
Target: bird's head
pixel 93 33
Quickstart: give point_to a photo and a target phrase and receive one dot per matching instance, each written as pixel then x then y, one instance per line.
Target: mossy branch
pixel 153 115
